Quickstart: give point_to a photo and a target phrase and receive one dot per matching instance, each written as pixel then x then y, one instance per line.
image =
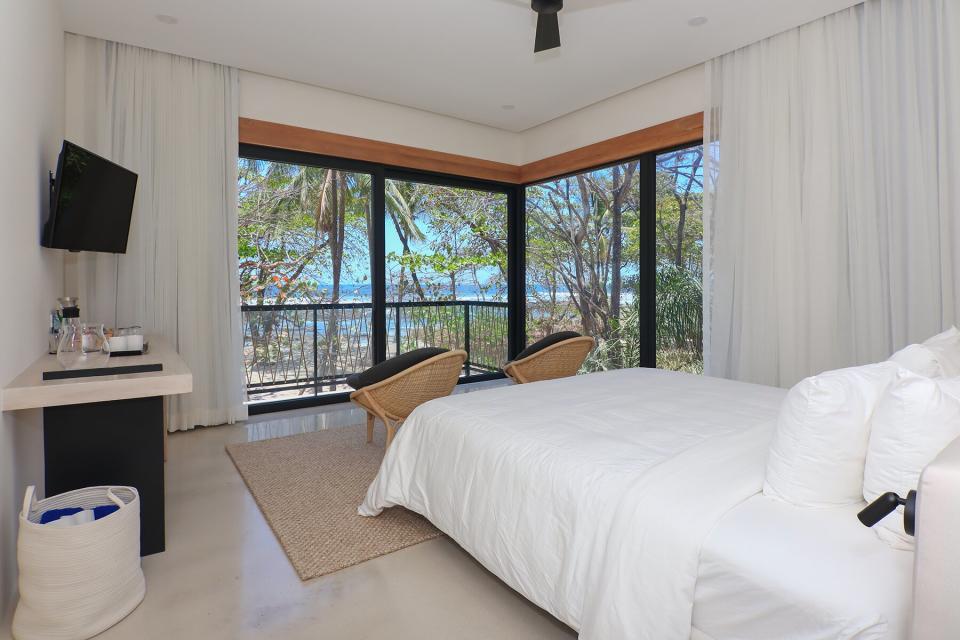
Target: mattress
pixel 772 570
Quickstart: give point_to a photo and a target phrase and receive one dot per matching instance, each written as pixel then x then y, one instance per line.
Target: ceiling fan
pixel 548 25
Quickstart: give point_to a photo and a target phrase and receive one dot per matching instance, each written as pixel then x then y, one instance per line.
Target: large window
pixel 615 253
pixel 344 264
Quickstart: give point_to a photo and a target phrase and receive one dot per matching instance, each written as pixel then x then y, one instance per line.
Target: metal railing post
pixel 396 326
pixel 466 334
pixel 316 377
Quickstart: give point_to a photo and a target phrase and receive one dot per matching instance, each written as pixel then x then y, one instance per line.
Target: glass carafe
pixel 82 345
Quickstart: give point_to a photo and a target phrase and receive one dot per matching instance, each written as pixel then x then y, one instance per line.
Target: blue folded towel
pixel 55 514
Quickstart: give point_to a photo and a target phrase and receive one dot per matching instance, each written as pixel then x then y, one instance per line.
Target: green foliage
pixel 679 309
pixel 578 247
pixel 296 224
pixel 679 327
pixel 680 360
pixel 451 236
pixel 621 349
pixel 679 209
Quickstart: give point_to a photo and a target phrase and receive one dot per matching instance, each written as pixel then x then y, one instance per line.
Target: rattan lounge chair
pixel 556 359
pixel 395 398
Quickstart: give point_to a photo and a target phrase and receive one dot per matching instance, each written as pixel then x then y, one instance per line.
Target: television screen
pixel 91 204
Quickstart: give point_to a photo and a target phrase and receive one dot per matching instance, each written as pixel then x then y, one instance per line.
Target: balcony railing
pixel 308 349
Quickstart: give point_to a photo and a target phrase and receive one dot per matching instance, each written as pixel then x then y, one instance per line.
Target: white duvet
pixel 591 495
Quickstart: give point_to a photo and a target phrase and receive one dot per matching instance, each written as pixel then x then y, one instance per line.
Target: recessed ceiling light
pixel 508 107
pixel 698 21
pixel 165 19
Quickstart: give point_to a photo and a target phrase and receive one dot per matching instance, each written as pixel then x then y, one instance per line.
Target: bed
pixel 626 504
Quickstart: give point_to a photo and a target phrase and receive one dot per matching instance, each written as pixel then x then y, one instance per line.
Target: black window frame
pixel 380 173
pixel 646 232
pixel 516 247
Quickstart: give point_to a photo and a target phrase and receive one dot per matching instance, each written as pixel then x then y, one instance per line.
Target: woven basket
pixel 76 581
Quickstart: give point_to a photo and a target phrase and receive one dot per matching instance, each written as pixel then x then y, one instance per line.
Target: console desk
pixel 108 429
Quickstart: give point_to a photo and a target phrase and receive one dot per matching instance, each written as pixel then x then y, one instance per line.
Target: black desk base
pixel 102 443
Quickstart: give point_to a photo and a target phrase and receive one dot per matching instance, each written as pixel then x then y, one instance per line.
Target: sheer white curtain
pixel 833 192
pixel 173 121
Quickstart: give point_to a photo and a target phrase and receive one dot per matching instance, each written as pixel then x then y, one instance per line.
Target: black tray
pixel 123 354
pixel 101 371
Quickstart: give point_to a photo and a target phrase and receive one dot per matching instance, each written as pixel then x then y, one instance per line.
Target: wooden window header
pixel 662 136
pixel 674 133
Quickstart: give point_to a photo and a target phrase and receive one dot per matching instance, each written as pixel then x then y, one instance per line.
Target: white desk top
pixel 30 391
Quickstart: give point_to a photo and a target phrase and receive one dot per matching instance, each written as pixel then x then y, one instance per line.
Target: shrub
pixel 679 326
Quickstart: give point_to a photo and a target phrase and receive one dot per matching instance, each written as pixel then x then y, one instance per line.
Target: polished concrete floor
pixel 225 576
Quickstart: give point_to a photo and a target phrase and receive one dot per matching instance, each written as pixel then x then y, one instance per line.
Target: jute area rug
pixel 309 486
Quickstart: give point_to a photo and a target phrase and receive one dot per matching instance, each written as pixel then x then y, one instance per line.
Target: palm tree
pixel 404 200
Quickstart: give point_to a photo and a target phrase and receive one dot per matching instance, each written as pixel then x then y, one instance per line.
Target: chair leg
pixel 391 431
pixel 370 419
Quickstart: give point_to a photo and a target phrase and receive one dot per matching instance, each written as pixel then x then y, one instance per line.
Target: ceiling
pixel 470 59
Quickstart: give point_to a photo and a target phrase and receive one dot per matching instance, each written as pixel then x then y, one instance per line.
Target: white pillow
pixel 817 455
pixel 946 348
pixel 914 421
pixel 951 335
pixel 937 357
pixel 919 359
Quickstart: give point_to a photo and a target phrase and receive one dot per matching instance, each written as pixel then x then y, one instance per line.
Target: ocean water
pixel 364 293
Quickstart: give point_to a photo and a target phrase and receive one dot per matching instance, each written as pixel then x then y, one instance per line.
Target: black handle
pixel 885 504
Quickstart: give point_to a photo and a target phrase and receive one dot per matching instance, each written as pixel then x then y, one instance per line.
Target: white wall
pixel 288 102
pixel 31 129
pixel 294 103
pixel 675 96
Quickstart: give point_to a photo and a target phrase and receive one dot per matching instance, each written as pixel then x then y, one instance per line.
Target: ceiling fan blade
pixel 586 5
pixel 548 32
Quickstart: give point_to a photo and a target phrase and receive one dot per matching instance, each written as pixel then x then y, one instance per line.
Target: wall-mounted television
pixel 91 203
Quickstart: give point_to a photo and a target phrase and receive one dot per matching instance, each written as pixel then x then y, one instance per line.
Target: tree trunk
pixel 681 223
pixel 335 232
pixel 406 251
pixel 683 205
pixel 336 219
pixel 621 187
pixel 616 244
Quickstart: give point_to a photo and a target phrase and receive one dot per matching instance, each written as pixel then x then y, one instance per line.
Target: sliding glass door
pixel 446 271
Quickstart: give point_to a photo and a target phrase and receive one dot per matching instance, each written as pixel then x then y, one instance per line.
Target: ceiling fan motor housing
pixel 547 6
pixel 548 24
